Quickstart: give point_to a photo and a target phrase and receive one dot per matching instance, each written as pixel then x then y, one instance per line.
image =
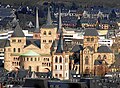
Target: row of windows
pixel 14 40
pixel 60 75
pixel 56 67
pixel 16 59
pixel 59 60
pixel 44 41
pixel 31 59
pixel 45 33
pixel 14 49
pixel 15 63
pixel 56 75
pixel 56 60
pixel 46 59
pixel 46 64
pixel 90 39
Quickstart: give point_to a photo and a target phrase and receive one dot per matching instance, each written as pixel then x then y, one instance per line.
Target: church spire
pixel 60 44
pixel 37 19
pixel 49 20
pixel 59 22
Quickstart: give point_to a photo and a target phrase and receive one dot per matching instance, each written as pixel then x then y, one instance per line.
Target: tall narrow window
pixel 55 67
pixel 56 59
pixel 37 68
pixel 14 50
pixel 60 67
pixel 86 60
pixel 18 49
pixel 60 60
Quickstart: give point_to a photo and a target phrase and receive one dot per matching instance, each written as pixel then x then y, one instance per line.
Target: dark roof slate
pixel 77 48
pixel 104 49
pixel 35 42
pixel 18 32
pixel 60 45
pixel 91 32
pixel 3 43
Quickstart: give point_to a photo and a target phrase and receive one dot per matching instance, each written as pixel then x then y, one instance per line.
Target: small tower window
pixel 44 33
pixel 88 39
pixel 18 49
pixel 44 41
pixel 104 57
pixel 49 33
pixel 92 39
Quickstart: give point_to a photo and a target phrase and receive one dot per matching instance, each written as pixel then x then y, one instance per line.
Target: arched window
pixel 49 33
pixel 60 60
pixel 86 60
pixel 44 33
pixel 104 57
pixel 99 57
pixel 56 59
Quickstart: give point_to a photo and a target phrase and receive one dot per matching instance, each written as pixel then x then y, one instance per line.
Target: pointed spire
pixel 49 20
pixel 37 19
pixel 60 44
pixel 59 21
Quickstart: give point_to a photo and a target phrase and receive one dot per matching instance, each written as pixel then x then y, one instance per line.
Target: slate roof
pixel 49 21
pixel 35 83
pixel 35 42
pixel 77 48
pixel 60 45
pixel 3 43
pixel 7 43
pixel 91 32
pixel 104 49
pixel 18 32
pixel 90 48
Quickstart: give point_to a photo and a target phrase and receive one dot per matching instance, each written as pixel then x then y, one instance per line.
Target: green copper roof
pixel 30 53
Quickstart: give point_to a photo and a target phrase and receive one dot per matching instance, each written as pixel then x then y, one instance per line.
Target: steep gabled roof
pixel 91 32
pixel 18 32
pixel 2 43
pixel 35 42
pixel 104 49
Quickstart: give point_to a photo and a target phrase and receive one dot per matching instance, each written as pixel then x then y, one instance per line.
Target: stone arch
pixel 46 70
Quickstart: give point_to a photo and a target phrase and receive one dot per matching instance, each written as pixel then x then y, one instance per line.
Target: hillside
pixel 109 3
